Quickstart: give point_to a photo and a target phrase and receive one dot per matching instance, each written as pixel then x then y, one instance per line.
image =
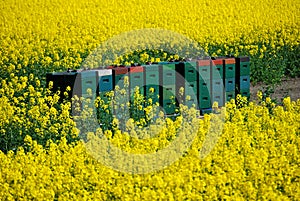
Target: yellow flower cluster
pixel 56 35
pixel 28 110
pixel 256 157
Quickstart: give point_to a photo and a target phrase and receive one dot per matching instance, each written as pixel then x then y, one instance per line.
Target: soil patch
pixel 288 87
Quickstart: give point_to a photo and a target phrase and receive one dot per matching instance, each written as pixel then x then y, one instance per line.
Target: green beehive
pixel 169 106
pixel 88 83
pixel 217 82
pixel 151 73
pixel 167 84
pixel 204 69
pixel 167 74
pixel 186 79
pixel 219 98
pixel 204 94
pixel 187 70
pixel 243 76
pixel 229 67
pixel 152 91
pixel 121 99
pixel 217 86
pixel 230 84
pixel 105 96
pixel 204 102
pixel 229 95
pixel 105 87
pixel 204 83
pixel 168 98
pixel 168 92
pixel 217 69
pixel 242 66
pixel 190 94
pixel 105 80
pixel 136 77
pixel 151 77
pixel 119 74
pixel 244 82
pixel 105 111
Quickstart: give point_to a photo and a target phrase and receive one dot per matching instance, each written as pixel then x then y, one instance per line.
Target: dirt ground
pixel 288 87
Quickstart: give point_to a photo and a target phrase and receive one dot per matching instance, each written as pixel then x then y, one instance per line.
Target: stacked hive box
pixel 151 78
pixel 186 78
pixel 105 82
pixel 80 83
pixel 136 77
pixel 105 85
pixel 204 85
pixel 229 78
pixel 119 74
pixel 61 81
pixel 243 76
pixel 217 82
pixel 121 99
pixel 205 81
pixel 167 84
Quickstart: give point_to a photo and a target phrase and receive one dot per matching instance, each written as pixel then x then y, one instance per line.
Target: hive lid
pixel 104 72
pixel 217 61
pixel 203 62
pixel 136 69
pixel 120 70
pixel 229 61
pixel 244 59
